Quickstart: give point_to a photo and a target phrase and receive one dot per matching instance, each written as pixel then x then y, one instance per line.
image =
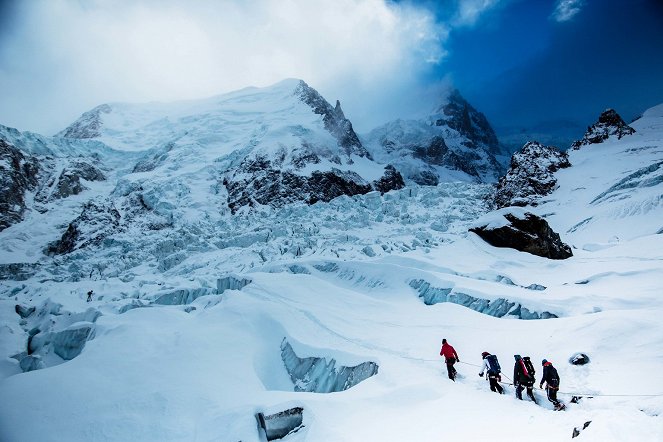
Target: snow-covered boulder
pixel 609 124
pixel 522 231
pixel 531 175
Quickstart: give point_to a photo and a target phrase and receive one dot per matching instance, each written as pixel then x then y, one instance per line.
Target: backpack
pixel 493 364
pixel 554 378
pixel 529 367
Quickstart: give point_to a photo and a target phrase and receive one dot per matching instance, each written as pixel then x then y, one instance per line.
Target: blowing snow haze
pixel 258 220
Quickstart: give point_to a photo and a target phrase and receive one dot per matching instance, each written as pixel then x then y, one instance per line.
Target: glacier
pixel 184 337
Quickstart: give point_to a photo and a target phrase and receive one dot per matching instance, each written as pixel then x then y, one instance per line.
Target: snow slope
pixel 336 281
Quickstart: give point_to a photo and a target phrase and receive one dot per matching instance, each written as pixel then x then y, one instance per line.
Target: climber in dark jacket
pixel 450 357
pixel 551 378
pixel 522 379
pixel 492 371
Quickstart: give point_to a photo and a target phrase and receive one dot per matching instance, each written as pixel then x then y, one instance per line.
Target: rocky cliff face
pixel 88 125
pixel 18 175
pixel 454 143
pixel 459 115
pixel 609 124
pixel 531 175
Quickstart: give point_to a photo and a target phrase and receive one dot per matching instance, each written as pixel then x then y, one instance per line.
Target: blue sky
pixel 520 65
pixel 521 62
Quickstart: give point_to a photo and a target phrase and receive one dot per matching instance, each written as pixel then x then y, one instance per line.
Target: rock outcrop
pixel 527 233
pixel 259 182
pixel 531 175
pixel 18 175
pixel 88 125
pixel 96 222
pixel 609 124
pixel 334 120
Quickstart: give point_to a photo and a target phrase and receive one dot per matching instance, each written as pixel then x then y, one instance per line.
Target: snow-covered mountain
pixel 326 317
pixel 455 142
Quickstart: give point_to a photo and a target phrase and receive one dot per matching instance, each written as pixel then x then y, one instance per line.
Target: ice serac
pixel 531 175
pixel 455 142
pixel 18 175
pixel 320 375
pixel 526 233
pixel 499 307
pixel 279 425
pixel 54 335
pixel 609 124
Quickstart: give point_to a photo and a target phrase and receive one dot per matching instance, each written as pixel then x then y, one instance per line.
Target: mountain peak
pixel 608 124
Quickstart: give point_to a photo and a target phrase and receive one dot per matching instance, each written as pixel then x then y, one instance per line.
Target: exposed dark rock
pixel 579 359
pixel 461 116
pixel 18 174
pixel 69 181
pixel 433 153
pixel 321 375
pixel 96 222
pixel 530 234
pixel 609 124
pixel 258 182
pixel 531 175
pixel 88 125
pixel 391 180
pixel 334 120
pixel 279 425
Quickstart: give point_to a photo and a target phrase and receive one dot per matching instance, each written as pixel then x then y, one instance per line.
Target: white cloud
pixel 567 9
pixel 469 11
pixel 67 56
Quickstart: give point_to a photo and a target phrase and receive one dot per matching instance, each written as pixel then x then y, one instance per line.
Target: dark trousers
pixel 519 391
pixel 552 395
pixel 494 384
pixel 451 371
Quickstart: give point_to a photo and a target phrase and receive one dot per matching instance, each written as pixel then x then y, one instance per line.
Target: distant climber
pixel 523 378
pixel 89 296
pixel 450 358
pixel 551 378
pixel 492 368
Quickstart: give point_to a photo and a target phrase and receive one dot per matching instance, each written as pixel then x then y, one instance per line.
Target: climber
pixel 450 357
pixel 551 378
pixel 523 378
pixel 89 296
pixel 492 368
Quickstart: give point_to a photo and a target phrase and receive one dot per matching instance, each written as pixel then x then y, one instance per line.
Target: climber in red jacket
pixel 450 357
